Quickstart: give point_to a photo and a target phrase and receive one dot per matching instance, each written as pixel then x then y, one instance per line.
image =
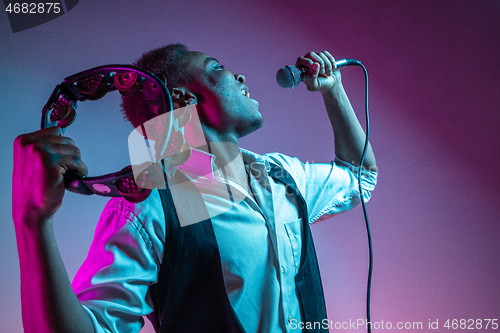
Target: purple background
pixel 434 102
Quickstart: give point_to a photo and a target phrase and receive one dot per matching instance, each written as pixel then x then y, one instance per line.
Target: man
pixel 248 268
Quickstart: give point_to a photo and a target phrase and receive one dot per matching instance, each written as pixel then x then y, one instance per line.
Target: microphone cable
pixel 367 224
pixel 289 77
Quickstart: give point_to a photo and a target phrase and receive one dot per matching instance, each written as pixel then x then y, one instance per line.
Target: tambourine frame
pixel 112 184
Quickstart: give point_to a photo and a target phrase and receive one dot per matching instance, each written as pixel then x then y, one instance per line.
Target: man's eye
pixel 218 67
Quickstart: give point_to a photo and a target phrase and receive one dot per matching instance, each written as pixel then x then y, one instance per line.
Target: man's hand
pixel 41 159
pixel 322 74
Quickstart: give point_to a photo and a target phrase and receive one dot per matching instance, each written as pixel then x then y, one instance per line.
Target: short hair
pixel 170 61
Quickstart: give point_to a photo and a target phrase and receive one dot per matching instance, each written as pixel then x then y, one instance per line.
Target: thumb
pixel 313 71
pixel 312 77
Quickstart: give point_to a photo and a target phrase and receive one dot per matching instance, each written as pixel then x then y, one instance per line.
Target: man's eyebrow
pixel 210 59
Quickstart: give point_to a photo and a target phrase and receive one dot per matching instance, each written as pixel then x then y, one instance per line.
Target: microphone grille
pixel 288 77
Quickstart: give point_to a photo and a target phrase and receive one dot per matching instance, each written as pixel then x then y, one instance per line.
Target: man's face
pixel 222 97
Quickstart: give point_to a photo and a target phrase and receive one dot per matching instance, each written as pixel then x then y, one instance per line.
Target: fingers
pixel 51 134
pixel 41 159
pixel 55 130
pixel 325 65
pixel 331 59
pixel 322 73
pixel 67 157
pixel 324 60
pixel 304 62
pixel 53 149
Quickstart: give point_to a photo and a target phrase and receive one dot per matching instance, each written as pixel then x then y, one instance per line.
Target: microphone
pixel 289 77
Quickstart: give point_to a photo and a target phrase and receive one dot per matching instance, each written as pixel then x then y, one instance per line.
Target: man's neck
pixel 229 161
pixel 228 158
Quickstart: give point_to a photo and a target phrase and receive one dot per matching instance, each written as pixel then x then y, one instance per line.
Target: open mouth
pixel 245 92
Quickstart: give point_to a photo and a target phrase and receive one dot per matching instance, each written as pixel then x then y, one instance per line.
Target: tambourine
pixel 164 128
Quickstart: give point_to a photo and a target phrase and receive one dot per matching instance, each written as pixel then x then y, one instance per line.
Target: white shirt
pixel 257 229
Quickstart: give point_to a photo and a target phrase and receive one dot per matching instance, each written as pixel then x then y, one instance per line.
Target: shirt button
pixel 282 270
pixel 290 317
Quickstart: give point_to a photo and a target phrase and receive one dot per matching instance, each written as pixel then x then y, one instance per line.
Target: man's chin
pixel 255 125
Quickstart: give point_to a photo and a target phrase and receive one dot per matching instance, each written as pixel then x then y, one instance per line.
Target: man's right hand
pixel 48 303
pixel 41 159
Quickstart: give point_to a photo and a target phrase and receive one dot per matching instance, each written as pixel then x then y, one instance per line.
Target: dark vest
pixel 190 295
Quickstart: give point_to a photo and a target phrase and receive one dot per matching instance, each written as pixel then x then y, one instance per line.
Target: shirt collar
pixel 201 163
pixel 251 157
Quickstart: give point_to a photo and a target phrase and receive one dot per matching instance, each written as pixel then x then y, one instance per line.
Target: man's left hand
pixel 321 72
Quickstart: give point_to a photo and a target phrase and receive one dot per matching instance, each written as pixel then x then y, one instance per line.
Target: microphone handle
pixel 347 62
pixel 339 63
pixel 290 76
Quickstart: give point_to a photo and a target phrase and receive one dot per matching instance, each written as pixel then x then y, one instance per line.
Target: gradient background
pixel 435 111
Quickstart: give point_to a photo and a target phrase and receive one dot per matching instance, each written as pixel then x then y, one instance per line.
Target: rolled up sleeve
pixel 113 282
pixel 329 188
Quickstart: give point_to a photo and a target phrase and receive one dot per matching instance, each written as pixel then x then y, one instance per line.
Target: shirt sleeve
pixel 328 188
pixel 113 282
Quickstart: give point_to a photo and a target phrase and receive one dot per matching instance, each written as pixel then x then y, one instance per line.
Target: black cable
pixel 370 249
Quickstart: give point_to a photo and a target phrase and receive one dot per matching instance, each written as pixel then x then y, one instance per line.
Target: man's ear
pixel 182 97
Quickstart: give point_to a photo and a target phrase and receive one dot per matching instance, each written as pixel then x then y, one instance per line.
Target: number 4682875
pixel 471 324
pixel 33 8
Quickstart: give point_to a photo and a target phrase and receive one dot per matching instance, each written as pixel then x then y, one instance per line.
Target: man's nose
pixel 240 78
